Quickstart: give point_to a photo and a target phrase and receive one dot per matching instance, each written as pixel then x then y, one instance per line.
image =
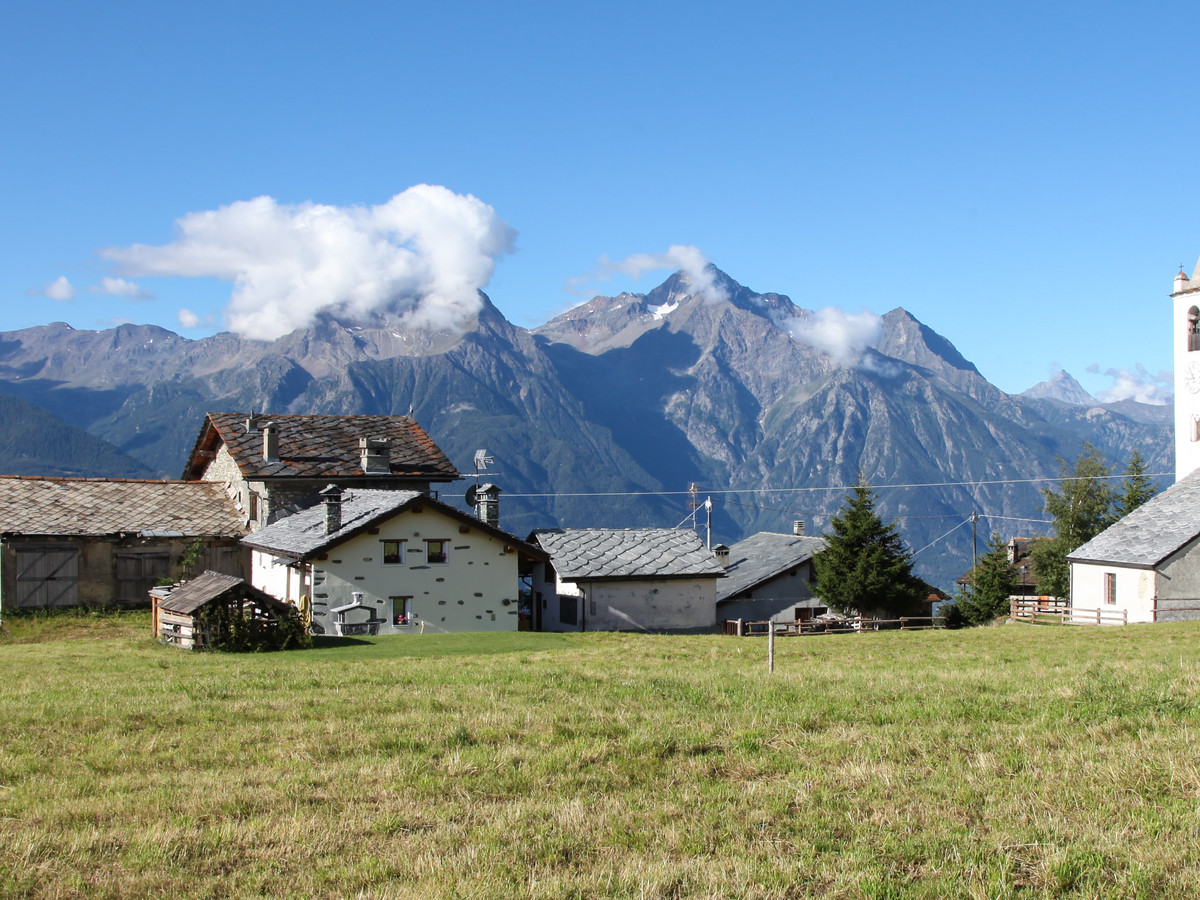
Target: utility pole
pixel 708 517
pixel 974 539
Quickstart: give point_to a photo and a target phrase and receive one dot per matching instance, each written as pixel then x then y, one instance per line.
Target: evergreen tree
pixel 1081 507
pixel 865 564
pixel 1137 487
pixel 992 583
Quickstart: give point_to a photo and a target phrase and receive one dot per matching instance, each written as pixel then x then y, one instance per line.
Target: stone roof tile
pixel 104 506
pixel 590 553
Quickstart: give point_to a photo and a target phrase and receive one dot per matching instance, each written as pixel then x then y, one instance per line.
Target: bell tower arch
pixel 1185 340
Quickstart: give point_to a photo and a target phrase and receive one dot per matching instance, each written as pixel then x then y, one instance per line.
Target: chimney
pixel 375 455
pixel 487 504
pixel 332 496
pixel 721 552
pixel 270 433
pixel 252 424
pixel 798 527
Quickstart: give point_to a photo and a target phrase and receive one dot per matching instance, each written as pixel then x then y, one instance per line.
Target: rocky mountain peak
pixel 1063 388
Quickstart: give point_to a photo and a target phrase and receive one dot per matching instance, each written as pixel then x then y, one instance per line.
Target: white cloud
pixel 424 255
pixel 188 319
pixel 1139 385
pixel 119 287
pixel 842 335
pixel 686 259
pixel 59 289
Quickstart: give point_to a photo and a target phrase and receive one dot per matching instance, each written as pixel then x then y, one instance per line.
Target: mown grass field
pixel 999 762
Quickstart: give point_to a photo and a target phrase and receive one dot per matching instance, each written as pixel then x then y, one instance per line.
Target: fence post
pixel 771 648
pixel 739 627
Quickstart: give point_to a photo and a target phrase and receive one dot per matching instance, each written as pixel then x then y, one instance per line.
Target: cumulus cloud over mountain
pixel 687 259
pixel 843 335
pixel 424 255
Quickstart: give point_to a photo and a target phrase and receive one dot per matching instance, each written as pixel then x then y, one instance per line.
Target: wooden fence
pixel 855 625
pixel 1049 610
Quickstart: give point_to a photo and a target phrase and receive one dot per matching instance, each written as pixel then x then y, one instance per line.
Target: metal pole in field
pixel 770 646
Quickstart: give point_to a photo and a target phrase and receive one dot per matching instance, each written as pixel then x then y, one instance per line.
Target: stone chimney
pixel 332 496
pixel 487 504
pixel 798 527
pixel 270 433
pixel 721 552
pixel 375 456
pixel 252 424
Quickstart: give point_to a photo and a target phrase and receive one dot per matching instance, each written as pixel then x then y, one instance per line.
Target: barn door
pixel 47 577
pixel 137 573
pixel 223 559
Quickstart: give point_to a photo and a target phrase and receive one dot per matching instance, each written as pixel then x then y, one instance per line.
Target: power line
pixel 844 487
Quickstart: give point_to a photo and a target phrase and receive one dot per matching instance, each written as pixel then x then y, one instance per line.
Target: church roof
pixel 1158 528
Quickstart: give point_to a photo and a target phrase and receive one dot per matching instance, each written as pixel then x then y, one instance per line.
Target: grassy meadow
pixel 996 762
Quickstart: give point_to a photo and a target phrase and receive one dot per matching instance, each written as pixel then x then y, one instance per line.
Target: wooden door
pixel 47 576
pixel 137 573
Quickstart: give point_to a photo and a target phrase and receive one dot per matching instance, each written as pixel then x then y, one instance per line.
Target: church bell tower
pixel 1185 333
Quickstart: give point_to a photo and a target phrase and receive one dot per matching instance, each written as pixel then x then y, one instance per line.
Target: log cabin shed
pixel 178 611
pixel 105 542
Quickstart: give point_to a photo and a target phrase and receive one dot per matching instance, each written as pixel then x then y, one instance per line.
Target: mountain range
pixel 607 413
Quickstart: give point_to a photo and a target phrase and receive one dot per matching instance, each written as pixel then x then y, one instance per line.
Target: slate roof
pixel 1152 532
pixel 761 557
pixel 318 447
pixel 587 554
pixel 302 535
pixel 80 507
pixel 193 594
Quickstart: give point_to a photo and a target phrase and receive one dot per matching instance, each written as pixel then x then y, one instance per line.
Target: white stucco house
pixel 1147 565
pixel 637 579
pixel 392 562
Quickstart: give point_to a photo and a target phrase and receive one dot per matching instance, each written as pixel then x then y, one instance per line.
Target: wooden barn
pixel 215 611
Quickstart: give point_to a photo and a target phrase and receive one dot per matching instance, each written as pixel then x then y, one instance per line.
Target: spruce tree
pixel 865 564
pixel 992 583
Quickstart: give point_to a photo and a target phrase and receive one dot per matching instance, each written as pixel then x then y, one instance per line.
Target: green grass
pixel 996 762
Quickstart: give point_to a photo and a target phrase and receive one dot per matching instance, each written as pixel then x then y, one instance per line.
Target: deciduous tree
pixel 1081 507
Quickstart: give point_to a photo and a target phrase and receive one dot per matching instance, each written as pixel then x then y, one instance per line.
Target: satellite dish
pixel 471 496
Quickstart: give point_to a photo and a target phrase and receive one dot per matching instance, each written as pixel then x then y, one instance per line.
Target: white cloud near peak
pixel 424 255
pixel 844 336
pixel 1137 384
pixel 59 289
pixel 188 319
pixel 679 257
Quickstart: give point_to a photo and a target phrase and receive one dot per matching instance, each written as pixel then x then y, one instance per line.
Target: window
pixel 567 613
pixel 1110 587
pixel 436 551
pixel 393 553
pixel 1193 329
pixel 253 504
pixel 402 613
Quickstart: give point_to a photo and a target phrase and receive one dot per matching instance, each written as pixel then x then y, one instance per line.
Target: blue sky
pixel 1016 175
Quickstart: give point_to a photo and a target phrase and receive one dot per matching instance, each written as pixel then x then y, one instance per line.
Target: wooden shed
pixel 216 611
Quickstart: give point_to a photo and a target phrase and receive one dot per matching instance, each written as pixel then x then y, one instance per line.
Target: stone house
pixel 769 577
pixel 643 579
pixel 103 542
pixel 272 466
pixel 366 561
